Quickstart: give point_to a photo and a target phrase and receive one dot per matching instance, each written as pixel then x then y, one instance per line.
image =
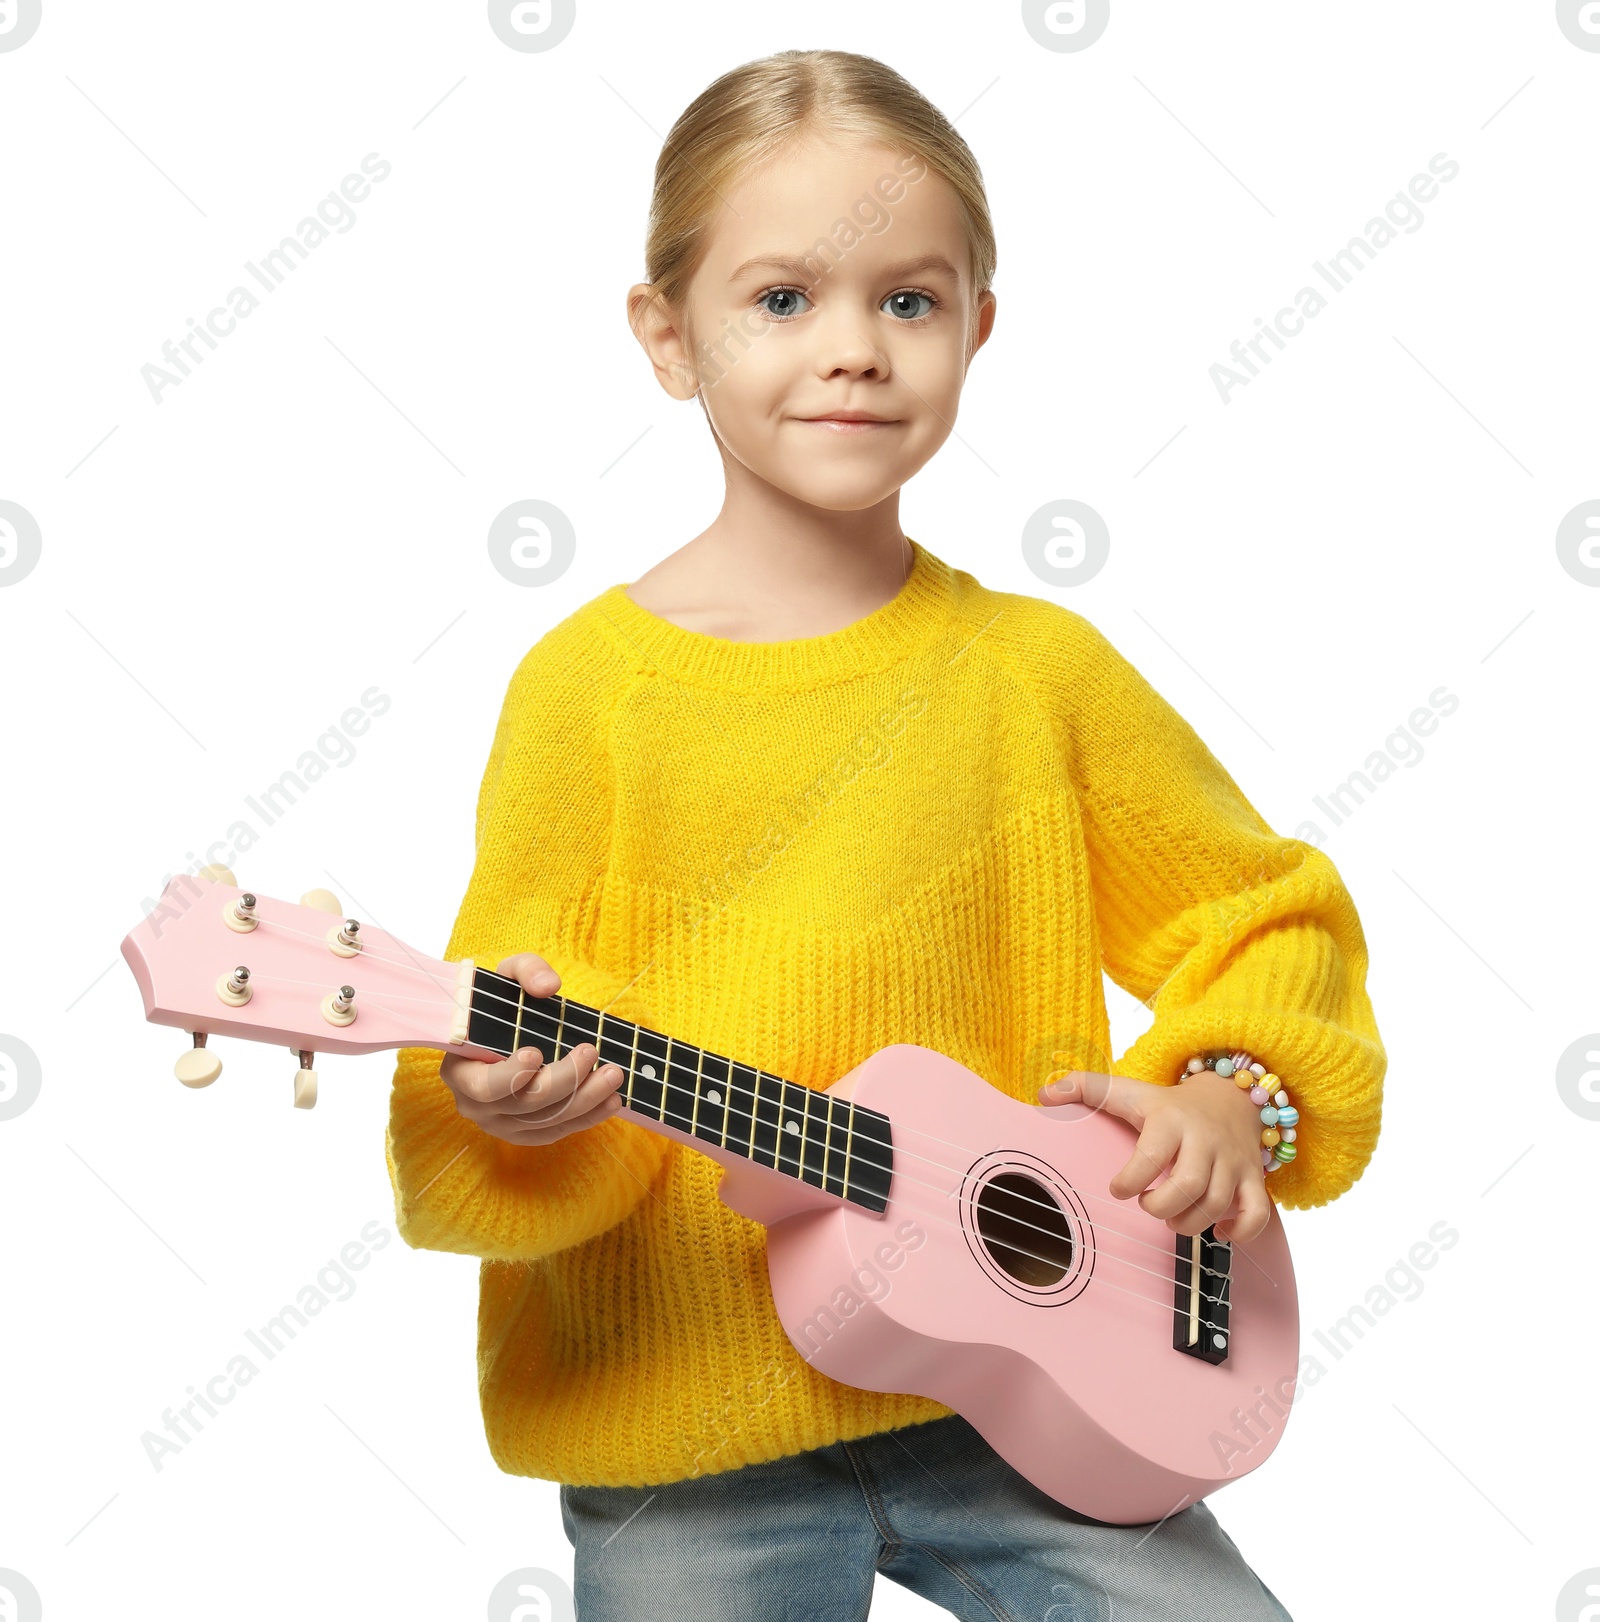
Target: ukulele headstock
pixel 215 959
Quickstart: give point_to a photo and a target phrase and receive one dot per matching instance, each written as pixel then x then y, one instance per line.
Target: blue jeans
pixel 932 1506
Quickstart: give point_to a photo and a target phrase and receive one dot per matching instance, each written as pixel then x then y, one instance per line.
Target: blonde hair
pixel 760 107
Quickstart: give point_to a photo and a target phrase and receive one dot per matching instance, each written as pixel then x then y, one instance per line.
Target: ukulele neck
pixel 726 1108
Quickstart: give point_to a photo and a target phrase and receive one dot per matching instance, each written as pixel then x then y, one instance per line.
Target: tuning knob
pixel 198 1067
pixel 217 874
pixel 305 1082
pixel 322 900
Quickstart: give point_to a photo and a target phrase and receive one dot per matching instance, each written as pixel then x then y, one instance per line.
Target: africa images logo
pixel 531 1595
pixel 18 21
pixel 20 541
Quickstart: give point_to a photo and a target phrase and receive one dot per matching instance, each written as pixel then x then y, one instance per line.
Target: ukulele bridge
pixel 1200 1307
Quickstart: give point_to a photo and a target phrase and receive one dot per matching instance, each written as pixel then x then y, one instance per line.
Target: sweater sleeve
pixel 1233 935
pixel 543 833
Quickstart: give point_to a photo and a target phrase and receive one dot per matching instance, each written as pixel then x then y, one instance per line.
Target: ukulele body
pixel 1055 1345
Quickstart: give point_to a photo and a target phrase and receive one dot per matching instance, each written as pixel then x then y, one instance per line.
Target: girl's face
pixel 836 280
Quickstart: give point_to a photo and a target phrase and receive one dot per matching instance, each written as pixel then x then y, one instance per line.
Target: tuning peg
pixel 322 900
pixel 305 1082
pixel 240 914
pixel 339 1007
pixel 198 1067
pixel 217 874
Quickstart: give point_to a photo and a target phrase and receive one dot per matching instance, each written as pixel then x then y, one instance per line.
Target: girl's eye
pixel 789 295
pixel 785 303
pixel 896 304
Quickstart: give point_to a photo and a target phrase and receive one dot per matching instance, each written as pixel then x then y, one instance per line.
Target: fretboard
pixel 831 1144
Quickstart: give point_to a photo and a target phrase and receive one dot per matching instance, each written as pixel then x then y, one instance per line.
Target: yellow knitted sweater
pixel 933 826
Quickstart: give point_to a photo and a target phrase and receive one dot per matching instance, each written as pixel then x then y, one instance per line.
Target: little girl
pixel 801 791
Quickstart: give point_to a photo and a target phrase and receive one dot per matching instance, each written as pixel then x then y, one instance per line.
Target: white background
pixel 226 572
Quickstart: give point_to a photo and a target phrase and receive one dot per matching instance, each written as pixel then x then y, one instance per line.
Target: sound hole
pixel 1024 1229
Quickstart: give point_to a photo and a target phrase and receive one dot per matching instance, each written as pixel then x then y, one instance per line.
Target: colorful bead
pixel 1278 1116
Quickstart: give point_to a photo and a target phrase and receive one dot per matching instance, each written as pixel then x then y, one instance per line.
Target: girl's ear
pixel 983 324
pixel 658 330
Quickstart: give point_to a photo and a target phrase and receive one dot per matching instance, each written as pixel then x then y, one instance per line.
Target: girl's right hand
pixel 522 1099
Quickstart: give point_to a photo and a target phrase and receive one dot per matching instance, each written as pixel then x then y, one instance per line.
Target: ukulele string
pixel 548 1014
pixel 369 996
pixel 972 1204
pixel 902 1154
pixel 905 1176
pixel 734 1064
pixel 733 1110
pixel 1138 1295
pixel 1049 1261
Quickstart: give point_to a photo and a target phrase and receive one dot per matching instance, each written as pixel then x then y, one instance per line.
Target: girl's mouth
pixel 848 425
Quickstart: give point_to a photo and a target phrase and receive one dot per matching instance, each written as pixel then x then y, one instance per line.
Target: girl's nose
pixel 842 345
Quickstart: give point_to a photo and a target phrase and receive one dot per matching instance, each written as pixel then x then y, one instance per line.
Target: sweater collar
pixel 922 606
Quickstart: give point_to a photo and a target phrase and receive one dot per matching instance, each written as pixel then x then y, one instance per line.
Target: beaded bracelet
pixel 1278 1115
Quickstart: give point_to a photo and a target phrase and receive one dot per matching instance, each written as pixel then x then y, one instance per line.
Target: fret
pixel 837 1159
pixel 699 1086
pixel 617 1049
pixel 765 1127
pixel 556 1028
pixel 542 1023
pixel 813 1148
pixel 844 1151
pixel 872 1164
pixel 647 1091
pixel 487 1024
pixel 849 1136
pixel 791 1137
pixel 741 1107
pixel 573 1024
pixel 715 1112
pixel 681 1088
pixel 752 1098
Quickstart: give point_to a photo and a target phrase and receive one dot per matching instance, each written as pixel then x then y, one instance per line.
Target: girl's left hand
pixel 1203 1122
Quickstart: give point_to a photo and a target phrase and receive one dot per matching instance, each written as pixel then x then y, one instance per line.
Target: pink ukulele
pixel 926 1233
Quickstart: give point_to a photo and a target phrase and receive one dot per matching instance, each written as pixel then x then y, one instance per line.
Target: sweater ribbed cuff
pixel 1330 1078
